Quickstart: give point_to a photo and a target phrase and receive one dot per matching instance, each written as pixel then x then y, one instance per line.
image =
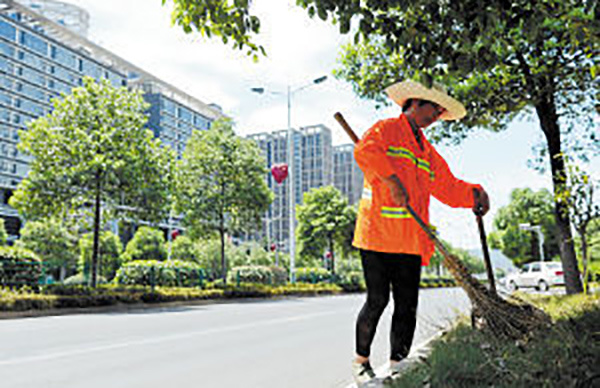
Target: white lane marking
pixel 100 348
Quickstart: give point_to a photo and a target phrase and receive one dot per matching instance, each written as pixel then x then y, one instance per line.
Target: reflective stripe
pixel 394 212
pixel 423 164
pixel 367 193
pixel 400 152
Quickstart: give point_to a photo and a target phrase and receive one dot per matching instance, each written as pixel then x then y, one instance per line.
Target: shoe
pixel 362 373
pixel 394 370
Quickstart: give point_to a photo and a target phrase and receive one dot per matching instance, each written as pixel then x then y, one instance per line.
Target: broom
pixel 502 318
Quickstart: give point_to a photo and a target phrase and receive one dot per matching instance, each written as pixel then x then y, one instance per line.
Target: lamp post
pixel 538 230
pixel 290 154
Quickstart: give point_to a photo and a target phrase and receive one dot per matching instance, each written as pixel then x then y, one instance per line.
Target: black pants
pixel 403 272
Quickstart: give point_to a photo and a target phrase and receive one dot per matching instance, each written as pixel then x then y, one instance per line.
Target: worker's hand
pixel 481 202
pixel 397 190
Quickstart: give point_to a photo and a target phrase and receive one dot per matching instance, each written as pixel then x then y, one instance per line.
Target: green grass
pixel 567 355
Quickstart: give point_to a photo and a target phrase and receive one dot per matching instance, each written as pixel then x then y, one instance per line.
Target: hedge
pixel 260 274
pixel 312 275
pixel 171 273
pixel 62 296
pixel 19 267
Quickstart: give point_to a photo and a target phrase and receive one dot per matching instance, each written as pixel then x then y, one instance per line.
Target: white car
pixel 539 274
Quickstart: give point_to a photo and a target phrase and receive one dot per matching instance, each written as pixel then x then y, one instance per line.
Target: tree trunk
pixel 584 259
pixel 223 267
pixel 97 215
pixel 332 255
pixel 546 111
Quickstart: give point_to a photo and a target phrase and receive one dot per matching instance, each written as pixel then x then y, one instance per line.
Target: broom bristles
pixel 499 316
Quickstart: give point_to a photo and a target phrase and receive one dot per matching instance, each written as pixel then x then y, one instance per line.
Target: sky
pixel 300 50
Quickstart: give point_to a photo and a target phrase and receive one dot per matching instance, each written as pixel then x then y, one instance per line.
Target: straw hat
pixel 402 91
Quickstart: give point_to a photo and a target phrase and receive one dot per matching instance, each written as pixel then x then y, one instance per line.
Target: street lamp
pixel 538 230
pixel 290 145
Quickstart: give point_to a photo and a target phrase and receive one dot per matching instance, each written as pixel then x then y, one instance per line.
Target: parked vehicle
pixel 540 274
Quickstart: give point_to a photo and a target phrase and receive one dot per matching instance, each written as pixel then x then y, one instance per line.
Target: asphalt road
pixel 298 342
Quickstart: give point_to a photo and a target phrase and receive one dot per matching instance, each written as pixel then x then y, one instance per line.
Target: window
pixel 34 43
pixel 63 56
pixel 33 76
pixel 168 106
pixel 91 69
pixel 7 49
pixel 33 92
pixel 5 99
pixel 535 267
pixel 33 108
pixel 184 114
pixel 7 30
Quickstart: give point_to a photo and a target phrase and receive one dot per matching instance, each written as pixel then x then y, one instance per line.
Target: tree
pixel 220 185
pixel 220 19
pixel 109 255
pixel 3 233
pixel 92 154
pixel 323 220
pixel 506 59
pixel 147 244
pixel 578 197
pixel 52 242
pixel 534 208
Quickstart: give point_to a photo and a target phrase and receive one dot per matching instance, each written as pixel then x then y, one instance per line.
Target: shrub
pixel 352 281
pixel 312 275
pixel 146 244
pixel 52 242
pixel 160 273
pixel 19 267
pixel 280 275
pixel 251 274
pixel 183 248
pixel 24 299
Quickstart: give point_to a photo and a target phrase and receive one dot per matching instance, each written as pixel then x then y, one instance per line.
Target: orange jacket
pixel 390 147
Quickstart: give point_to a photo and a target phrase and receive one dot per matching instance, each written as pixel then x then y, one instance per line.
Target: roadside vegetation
pixel 565 355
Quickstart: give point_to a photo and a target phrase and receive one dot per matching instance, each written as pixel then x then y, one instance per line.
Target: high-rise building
pixel 312 168
pixel 274 146
pixel 173 115
pixel 40 58
pixel 348 177
pixel 316 157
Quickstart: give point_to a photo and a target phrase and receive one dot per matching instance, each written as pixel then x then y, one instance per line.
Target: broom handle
pixel 484 245
pixel 340 119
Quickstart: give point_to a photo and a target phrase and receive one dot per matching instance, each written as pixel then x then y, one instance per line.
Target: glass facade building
pixel 40 59
pixel 173 122
pixel 313 167
pixel 348 177
pixel 274 147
